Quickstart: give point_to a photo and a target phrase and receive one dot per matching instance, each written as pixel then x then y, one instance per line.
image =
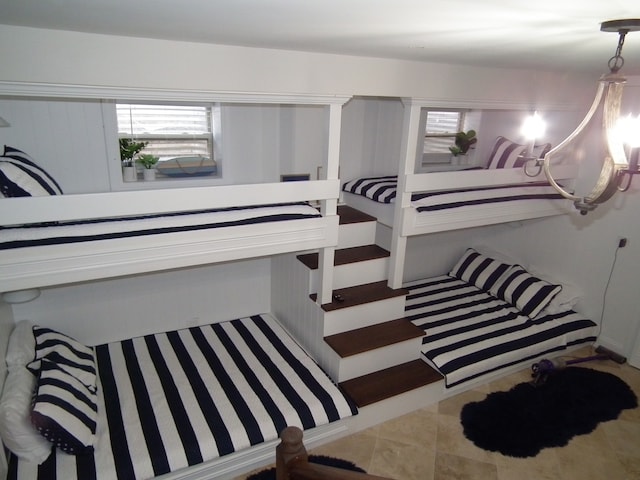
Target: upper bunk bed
pixel 415 203
pixel 164 229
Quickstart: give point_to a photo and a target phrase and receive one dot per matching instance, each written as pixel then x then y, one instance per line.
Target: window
pixel 441 128
pixel 170 130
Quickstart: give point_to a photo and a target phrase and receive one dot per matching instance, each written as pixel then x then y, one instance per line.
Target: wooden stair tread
pixel 345 256
pixel 360 294
pixel 371 337
pixel 351 215
pixel 387 383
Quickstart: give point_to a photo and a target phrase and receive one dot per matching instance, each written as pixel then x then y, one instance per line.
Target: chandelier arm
pixel 567 141
pixel 583 123
pixel 525 167
pixel 611 114
pixel 547 171
pixel 625 187
pixel 607 183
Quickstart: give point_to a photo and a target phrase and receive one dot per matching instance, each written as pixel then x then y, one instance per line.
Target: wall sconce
pixel 622 135
pixel 4 123
pixel 21 296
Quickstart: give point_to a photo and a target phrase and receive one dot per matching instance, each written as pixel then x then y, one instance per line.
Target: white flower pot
pixel 149 174
pixel 129 174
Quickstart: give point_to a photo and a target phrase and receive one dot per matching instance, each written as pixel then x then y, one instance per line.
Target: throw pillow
pixel 64 410
pixel 21 176
pixel 527 293
pixel 67 353
pixel 479 270
pixel 506 154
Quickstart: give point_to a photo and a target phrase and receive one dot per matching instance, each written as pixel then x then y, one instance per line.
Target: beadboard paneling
pixel 66 137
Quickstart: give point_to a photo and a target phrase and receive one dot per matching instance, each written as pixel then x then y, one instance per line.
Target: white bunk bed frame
pixel 35 267
pixel 406 220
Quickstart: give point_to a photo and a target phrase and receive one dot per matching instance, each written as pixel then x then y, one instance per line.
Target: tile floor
pixel 429 444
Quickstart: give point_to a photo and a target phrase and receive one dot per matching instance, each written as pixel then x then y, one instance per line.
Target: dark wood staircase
pixel 387 382
pixel 377 386
pixel 360 294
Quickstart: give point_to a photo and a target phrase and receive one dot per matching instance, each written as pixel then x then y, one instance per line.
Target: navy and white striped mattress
pixel 109 228
pixel 172 400
pixel 383 190
pixel 470 333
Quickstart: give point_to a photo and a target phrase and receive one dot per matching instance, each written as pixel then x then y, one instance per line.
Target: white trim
pixel 425 182
pixel 30 89
pixel 21 210
pixel 473 104
pixel 33 267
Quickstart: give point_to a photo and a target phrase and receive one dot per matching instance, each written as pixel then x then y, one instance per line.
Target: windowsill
pixel 167 182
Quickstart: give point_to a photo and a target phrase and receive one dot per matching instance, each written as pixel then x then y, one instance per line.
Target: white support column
pixel 329 207
pixel 410 136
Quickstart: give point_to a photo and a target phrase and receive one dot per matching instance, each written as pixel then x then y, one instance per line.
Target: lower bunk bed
pixel 176 404
pixel 486 317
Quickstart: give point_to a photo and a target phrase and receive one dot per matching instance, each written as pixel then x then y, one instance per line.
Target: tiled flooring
pixel 429 444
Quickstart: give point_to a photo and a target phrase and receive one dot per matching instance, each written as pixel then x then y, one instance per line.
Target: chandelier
pixel 621 135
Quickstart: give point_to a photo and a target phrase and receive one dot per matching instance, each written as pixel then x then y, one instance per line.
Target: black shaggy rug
pixel 527 418
pixel 270 474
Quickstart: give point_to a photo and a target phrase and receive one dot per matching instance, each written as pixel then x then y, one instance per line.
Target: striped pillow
pixel 20 176
pixel 505 153
pixel 478 269
pixel 67 353
pixel 64 410
pixel 527 293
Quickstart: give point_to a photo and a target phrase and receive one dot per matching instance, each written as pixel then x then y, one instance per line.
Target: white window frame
pixel 443 156
pixel 213 137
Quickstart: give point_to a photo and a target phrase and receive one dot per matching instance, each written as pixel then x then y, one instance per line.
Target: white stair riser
pixel 353 274
pixel 379 359
pixel 356 234
pixel 345 319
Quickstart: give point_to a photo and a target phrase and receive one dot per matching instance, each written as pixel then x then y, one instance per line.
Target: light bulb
pixel 533 126
pixel 628 130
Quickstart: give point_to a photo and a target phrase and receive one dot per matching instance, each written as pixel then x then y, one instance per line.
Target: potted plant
pixel 128 149
pixel 463 142
pixel 149 162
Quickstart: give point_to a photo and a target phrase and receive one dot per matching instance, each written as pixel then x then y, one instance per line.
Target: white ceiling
pixel 545 34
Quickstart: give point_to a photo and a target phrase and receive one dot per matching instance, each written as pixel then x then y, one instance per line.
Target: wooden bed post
pixel 292 462
pixel 290 449
pixel 408 152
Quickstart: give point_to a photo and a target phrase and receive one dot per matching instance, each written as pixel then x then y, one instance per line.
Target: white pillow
pixel 16 430
pixel 22 345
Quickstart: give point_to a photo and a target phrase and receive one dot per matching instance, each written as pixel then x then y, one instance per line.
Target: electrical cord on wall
pixel 606 288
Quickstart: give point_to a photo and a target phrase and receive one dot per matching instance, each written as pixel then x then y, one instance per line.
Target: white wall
pixel 76 142
pixel 67 138
pixel 108 310
pixel 371 137
pixel 72 58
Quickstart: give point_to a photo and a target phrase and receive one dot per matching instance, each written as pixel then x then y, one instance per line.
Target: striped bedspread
pixel 383 190
pixel 470 333
pixel 169 401
pixel 109 228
